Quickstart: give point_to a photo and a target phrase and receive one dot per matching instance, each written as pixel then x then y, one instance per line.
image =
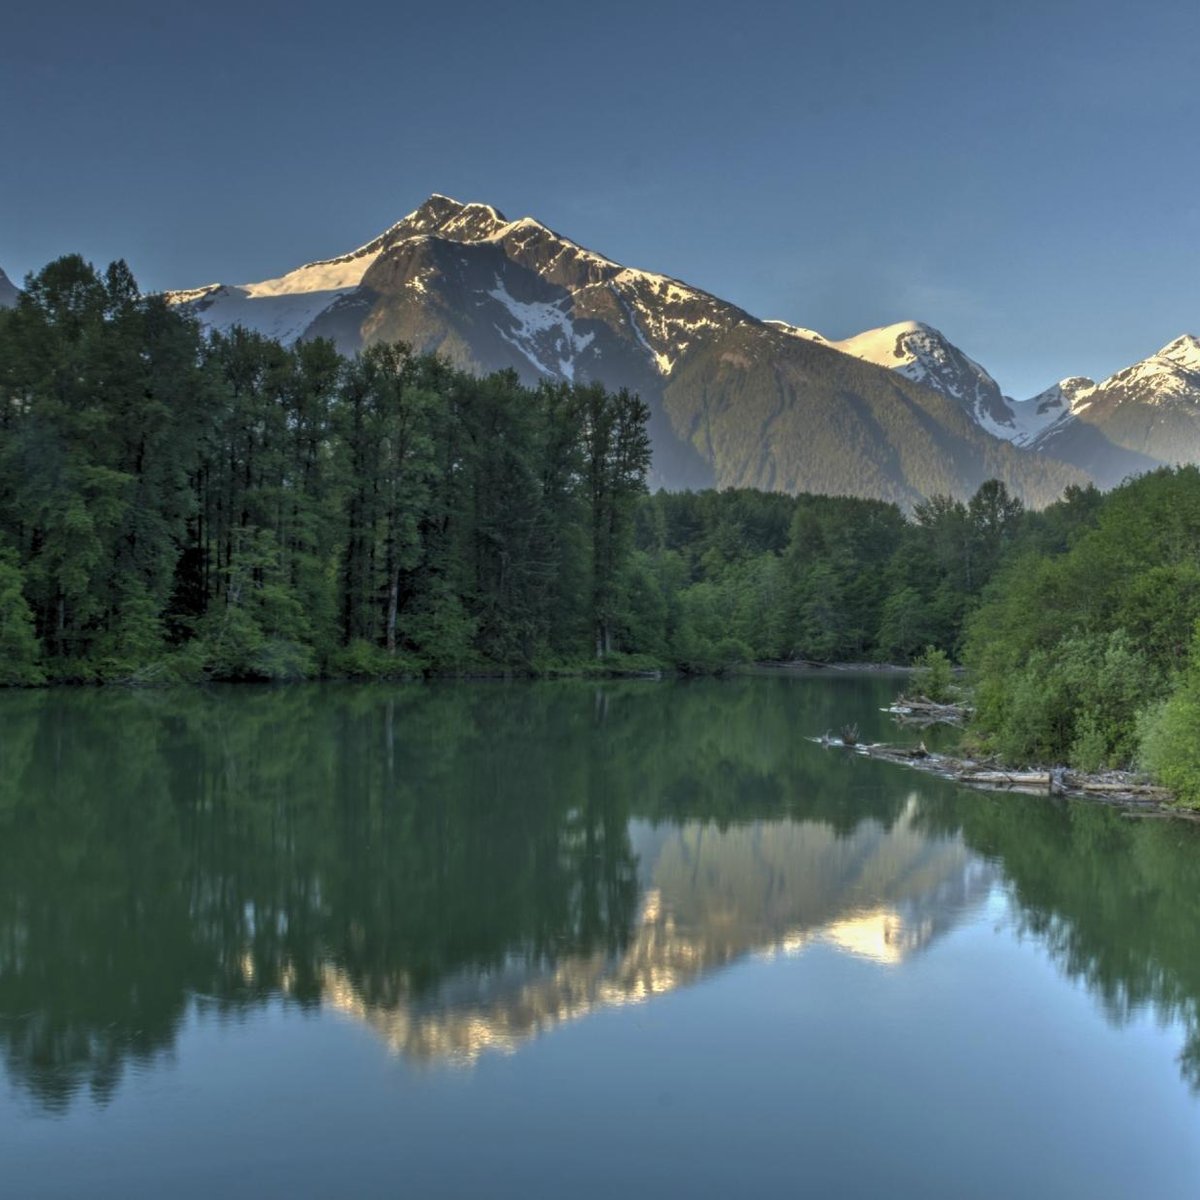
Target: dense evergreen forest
pixel 177 507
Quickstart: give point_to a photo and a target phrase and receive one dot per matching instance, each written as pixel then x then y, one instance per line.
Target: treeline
pixel 1078 624
pixel 1086 648
pixel 173 506
pixel 180 507
pixel 746 575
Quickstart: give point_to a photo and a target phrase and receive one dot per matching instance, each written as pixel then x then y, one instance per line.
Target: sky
pixel 1023 176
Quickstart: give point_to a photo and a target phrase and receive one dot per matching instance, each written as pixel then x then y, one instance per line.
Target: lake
pixel 541 939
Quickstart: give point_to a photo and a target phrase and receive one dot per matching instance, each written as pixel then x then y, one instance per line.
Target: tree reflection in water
pixel 463 866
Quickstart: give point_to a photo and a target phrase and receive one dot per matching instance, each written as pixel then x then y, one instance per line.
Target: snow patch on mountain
pixel 662 362
pixel 1170 376
pixel 669 317
pixel 798 331
pixel 281 308
pixel 280 315
pixel 665 319
pixel 1034 418
pixel 542 331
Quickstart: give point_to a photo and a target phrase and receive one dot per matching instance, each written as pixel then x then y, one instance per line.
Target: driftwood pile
pixel 1120 788
pixel 920 710
pixel 1113 787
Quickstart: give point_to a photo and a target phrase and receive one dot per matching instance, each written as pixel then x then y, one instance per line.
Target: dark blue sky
pixel 1025 176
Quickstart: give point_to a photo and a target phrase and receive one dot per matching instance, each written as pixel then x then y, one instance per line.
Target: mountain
pixel 8 291
pixel 1152 407
pixel 734 400
pixel 925 355
pixel 1035 416
pixel 1138 419
pixel 1142 417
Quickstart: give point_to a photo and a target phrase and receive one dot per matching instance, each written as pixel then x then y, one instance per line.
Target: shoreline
pixel 591 670
pixel 1124 790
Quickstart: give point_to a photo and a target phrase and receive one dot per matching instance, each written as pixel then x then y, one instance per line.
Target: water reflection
pixel 464 867
pixel 709 896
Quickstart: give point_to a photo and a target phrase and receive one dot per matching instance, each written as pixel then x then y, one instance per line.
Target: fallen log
pixel 1122 789
pixel 919 710
pixel 924 704
pixel 896 753
pixel 1007 778
pixel 1174 814
pixel 1145 799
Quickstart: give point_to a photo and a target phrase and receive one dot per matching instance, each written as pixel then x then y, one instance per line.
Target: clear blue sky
pixel 1025 176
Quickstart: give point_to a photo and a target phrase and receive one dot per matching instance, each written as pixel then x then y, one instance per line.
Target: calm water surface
pixel 572 940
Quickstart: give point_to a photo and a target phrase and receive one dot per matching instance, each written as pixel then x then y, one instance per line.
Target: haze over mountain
pixel 897 413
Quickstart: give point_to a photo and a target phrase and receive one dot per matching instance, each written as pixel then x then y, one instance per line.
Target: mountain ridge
pixel 734 400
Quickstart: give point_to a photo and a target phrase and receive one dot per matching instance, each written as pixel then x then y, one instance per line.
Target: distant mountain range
pixel 898 413
pixel 1142 417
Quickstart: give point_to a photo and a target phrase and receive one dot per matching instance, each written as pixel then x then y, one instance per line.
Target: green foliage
pixel 905 625
pixel 362 660
pixel 135 639
pixel 19 650
pixel 933 676
pixel 1086 625
pixel 444 633
pixel 1075 703
pixel 1169 735
pixel 229 508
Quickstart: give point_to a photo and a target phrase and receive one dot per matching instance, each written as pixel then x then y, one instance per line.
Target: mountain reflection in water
pixel 709 896
pixel 466 866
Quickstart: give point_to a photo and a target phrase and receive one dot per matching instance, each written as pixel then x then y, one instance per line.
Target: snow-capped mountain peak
pixel 1144 414
pixel 921 353
pixel 1067 395
pixel 560 284
pixel 1183 352
pixel 1060 402
pixel 926 356
pixel 1170 376
pixel 464 280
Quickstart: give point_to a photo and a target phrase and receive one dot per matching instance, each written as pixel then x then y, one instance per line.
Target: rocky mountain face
pixel 925 355
pixel 1151 409
pixel 8 291
pixel 895 413
pixel 1142 417
pixel 734 400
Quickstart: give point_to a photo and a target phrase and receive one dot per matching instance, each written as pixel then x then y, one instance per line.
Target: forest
pixel 178 507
